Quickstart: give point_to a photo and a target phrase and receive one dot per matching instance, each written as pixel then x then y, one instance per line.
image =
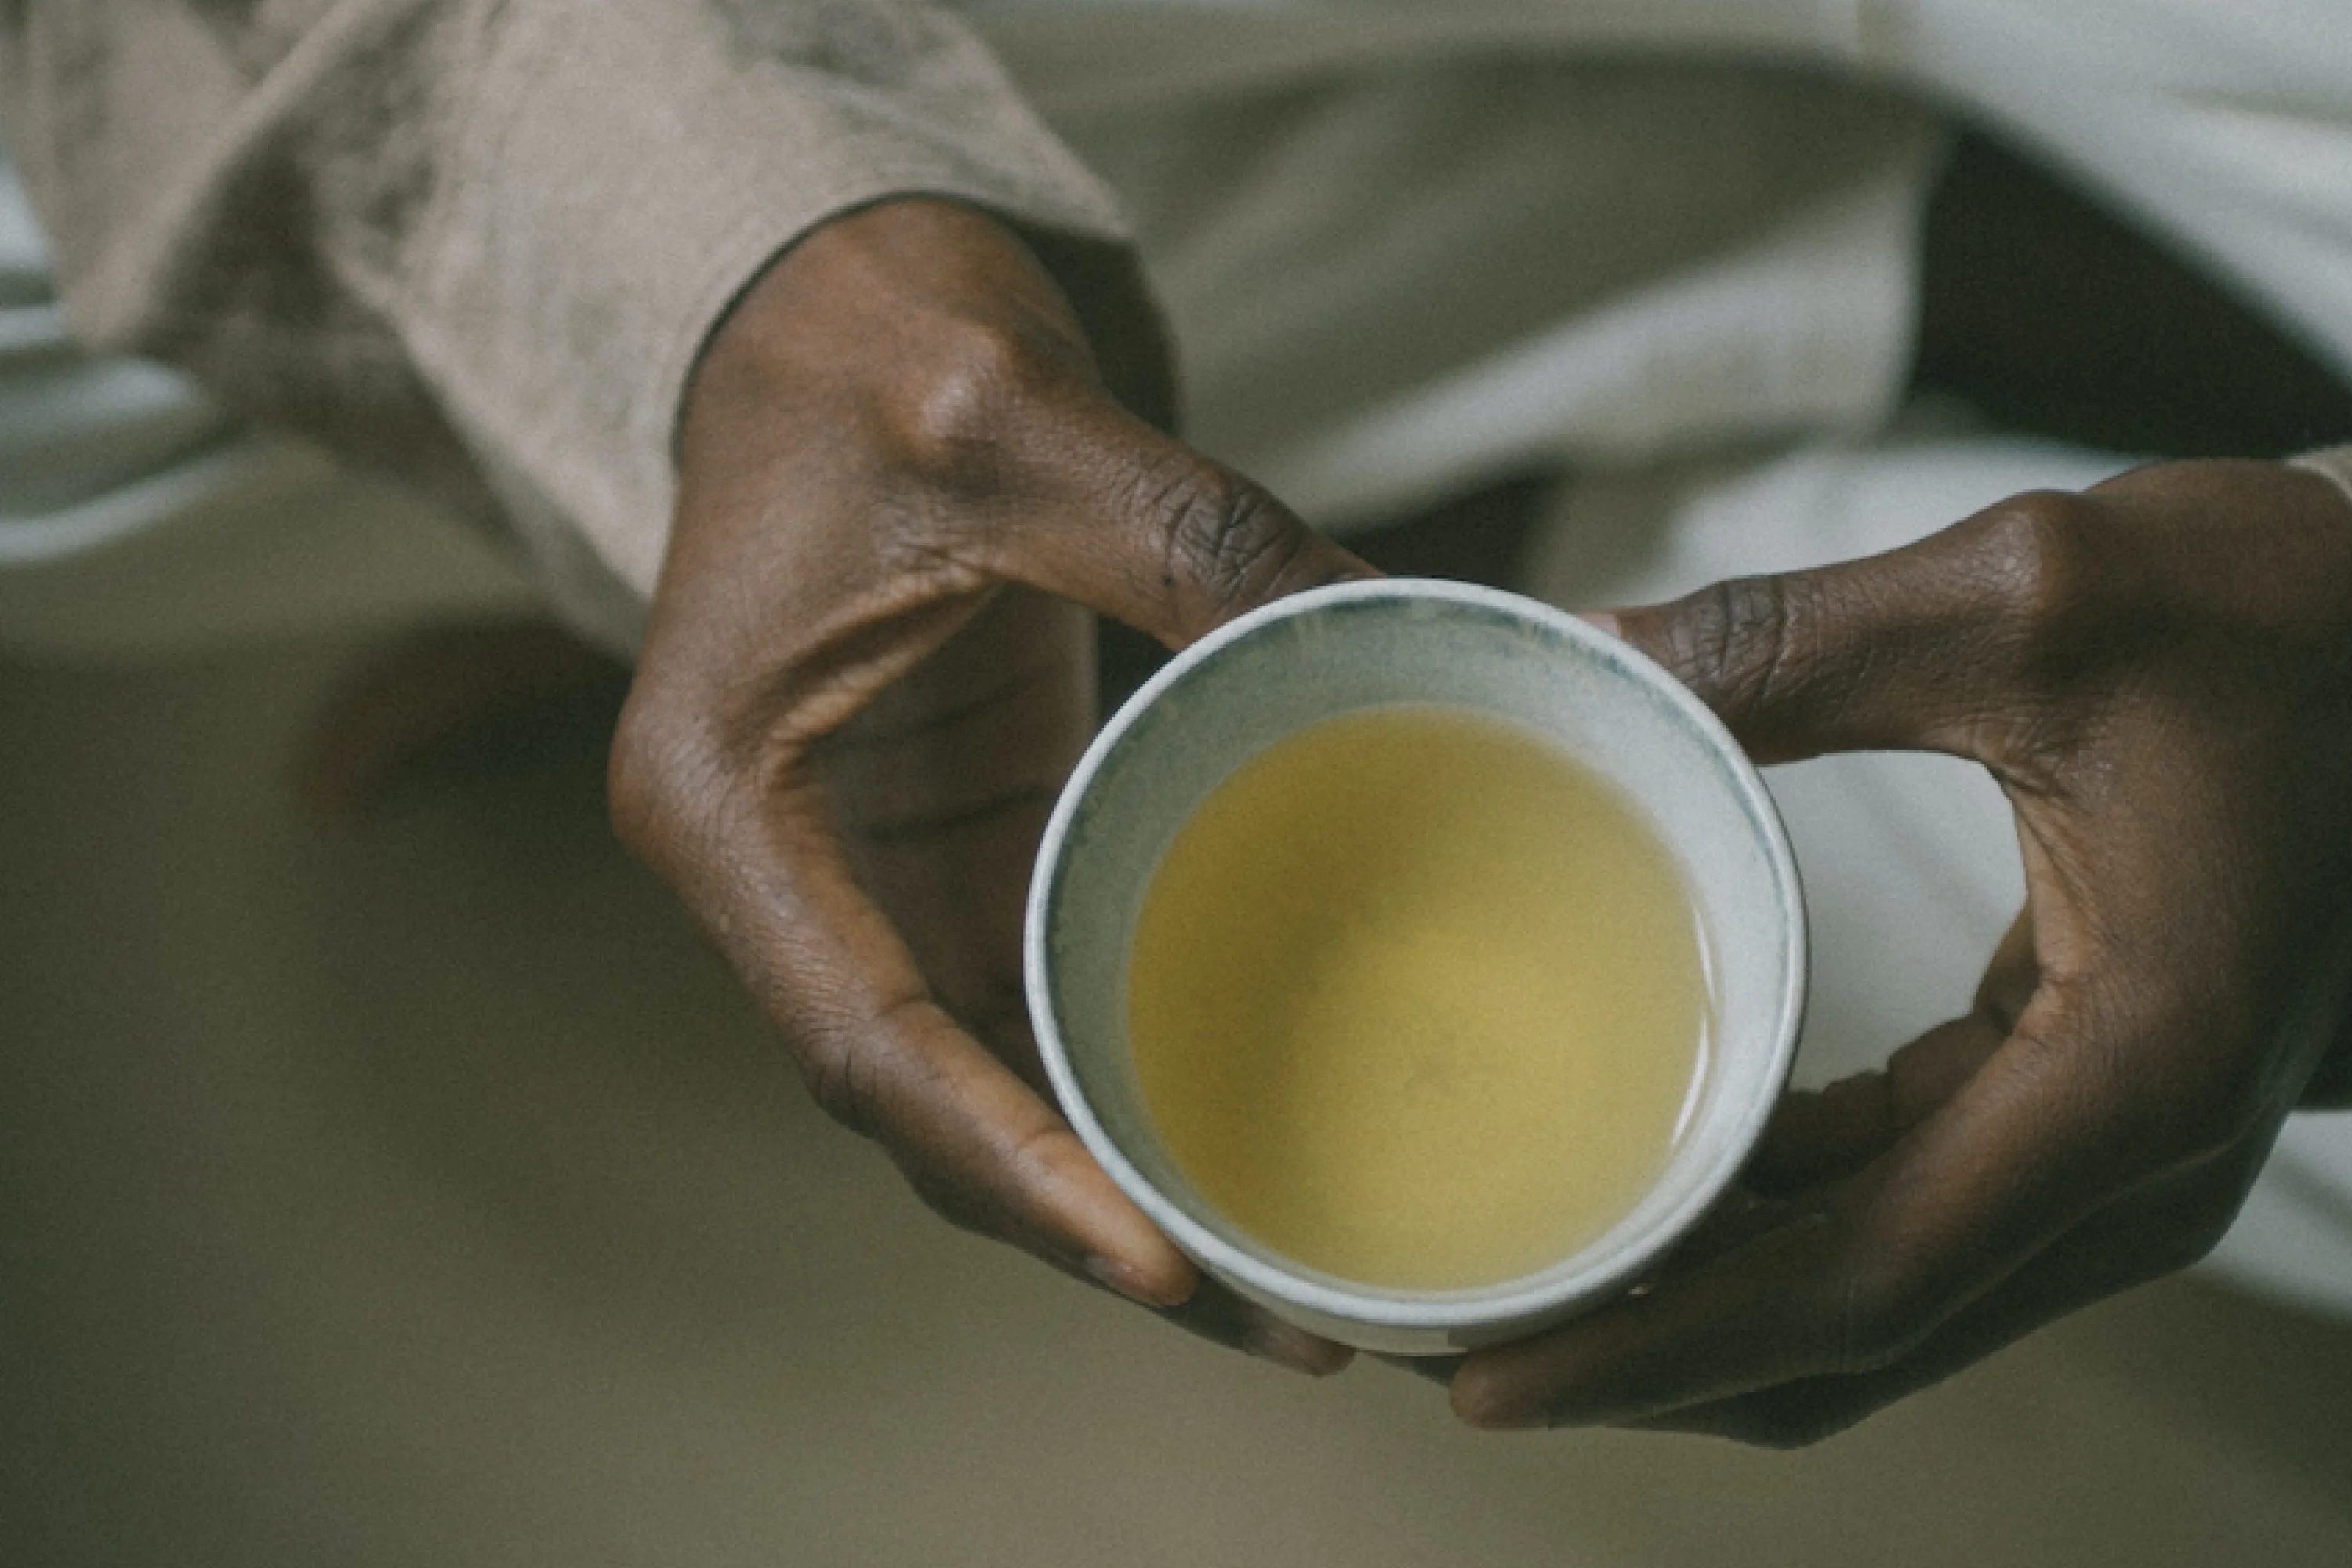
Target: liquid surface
pixel 1416 999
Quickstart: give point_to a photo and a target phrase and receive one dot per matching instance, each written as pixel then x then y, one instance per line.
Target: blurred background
pixel 411 1186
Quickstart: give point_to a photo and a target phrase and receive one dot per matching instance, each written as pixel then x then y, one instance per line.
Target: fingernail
pixel 1129 1282
pixel 1298 1351
pixel 1601 620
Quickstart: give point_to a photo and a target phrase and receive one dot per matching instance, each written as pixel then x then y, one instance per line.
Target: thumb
pixel 1913 650
pixel 1138 526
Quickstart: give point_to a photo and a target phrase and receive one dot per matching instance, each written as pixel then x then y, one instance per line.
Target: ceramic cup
pixel 1280 668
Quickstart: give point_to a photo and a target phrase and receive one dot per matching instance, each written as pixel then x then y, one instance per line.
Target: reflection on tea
pixel 1417 1000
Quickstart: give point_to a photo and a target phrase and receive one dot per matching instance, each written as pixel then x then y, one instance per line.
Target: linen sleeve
pixel 481 242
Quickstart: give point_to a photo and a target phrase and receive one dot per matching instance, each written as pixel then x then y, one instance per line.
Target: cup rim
pixel 1523 1297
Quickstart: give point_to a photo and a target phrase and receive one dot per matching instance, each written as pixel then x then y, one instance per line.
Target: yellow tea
pixel 1417 1000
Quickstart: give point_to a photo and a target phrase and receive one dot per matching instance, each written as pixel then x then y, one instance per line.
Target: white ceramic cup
pixel 1290 665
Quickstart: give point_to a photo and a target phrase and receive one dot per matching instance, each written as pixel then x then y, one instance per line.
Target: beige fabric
pixel 1390 287
pixel 481 243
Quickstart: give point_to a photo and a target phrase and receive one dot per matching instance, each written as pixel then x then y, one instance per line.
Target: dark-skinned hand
pixel 904 483
pixel 2158 673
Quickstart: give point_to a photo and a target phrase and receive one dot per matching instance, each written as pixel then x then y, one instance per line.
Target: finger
pixel 1989 1179
pixel 1932 646
pixel 1216 1314
pixel 1738 1217
pixel 766 875
pixel 1822 1136
pixel 941 789
pixel 981 1145
pixel 1124 520
pixel 1825 1135
pixel 2142 1236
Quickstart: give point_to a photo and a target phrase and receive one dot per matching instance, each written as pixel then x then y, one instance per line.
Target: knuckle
pixel 966 399
pixel 836 1075
pixel 861 1071
pixel 1225 538
pixel 1734 640
pixel 2039 549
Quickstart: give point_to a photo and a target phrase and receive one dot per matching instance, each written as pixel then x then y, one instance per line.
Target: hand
pixel 868 674
pixel 2159 672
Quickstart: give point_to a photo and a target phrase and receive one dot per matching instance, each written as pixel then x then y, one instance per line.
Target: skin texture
pixel 2159 672
pixel 904 485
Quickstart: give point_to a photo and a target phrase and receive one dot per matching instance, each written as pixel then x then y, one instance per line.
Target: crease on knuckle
pixel 1040 1159
pixel 1738 639
pixel 839 1080
pixel 843 1067
pixel 1226 539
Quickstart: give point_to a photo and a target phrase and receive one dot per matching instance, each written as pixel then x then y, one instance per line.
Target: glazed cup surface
pixel 1274 672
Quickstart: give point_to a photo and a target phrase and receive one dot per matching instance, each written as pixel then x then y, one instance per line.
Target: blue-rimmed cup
pixel 1274 672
